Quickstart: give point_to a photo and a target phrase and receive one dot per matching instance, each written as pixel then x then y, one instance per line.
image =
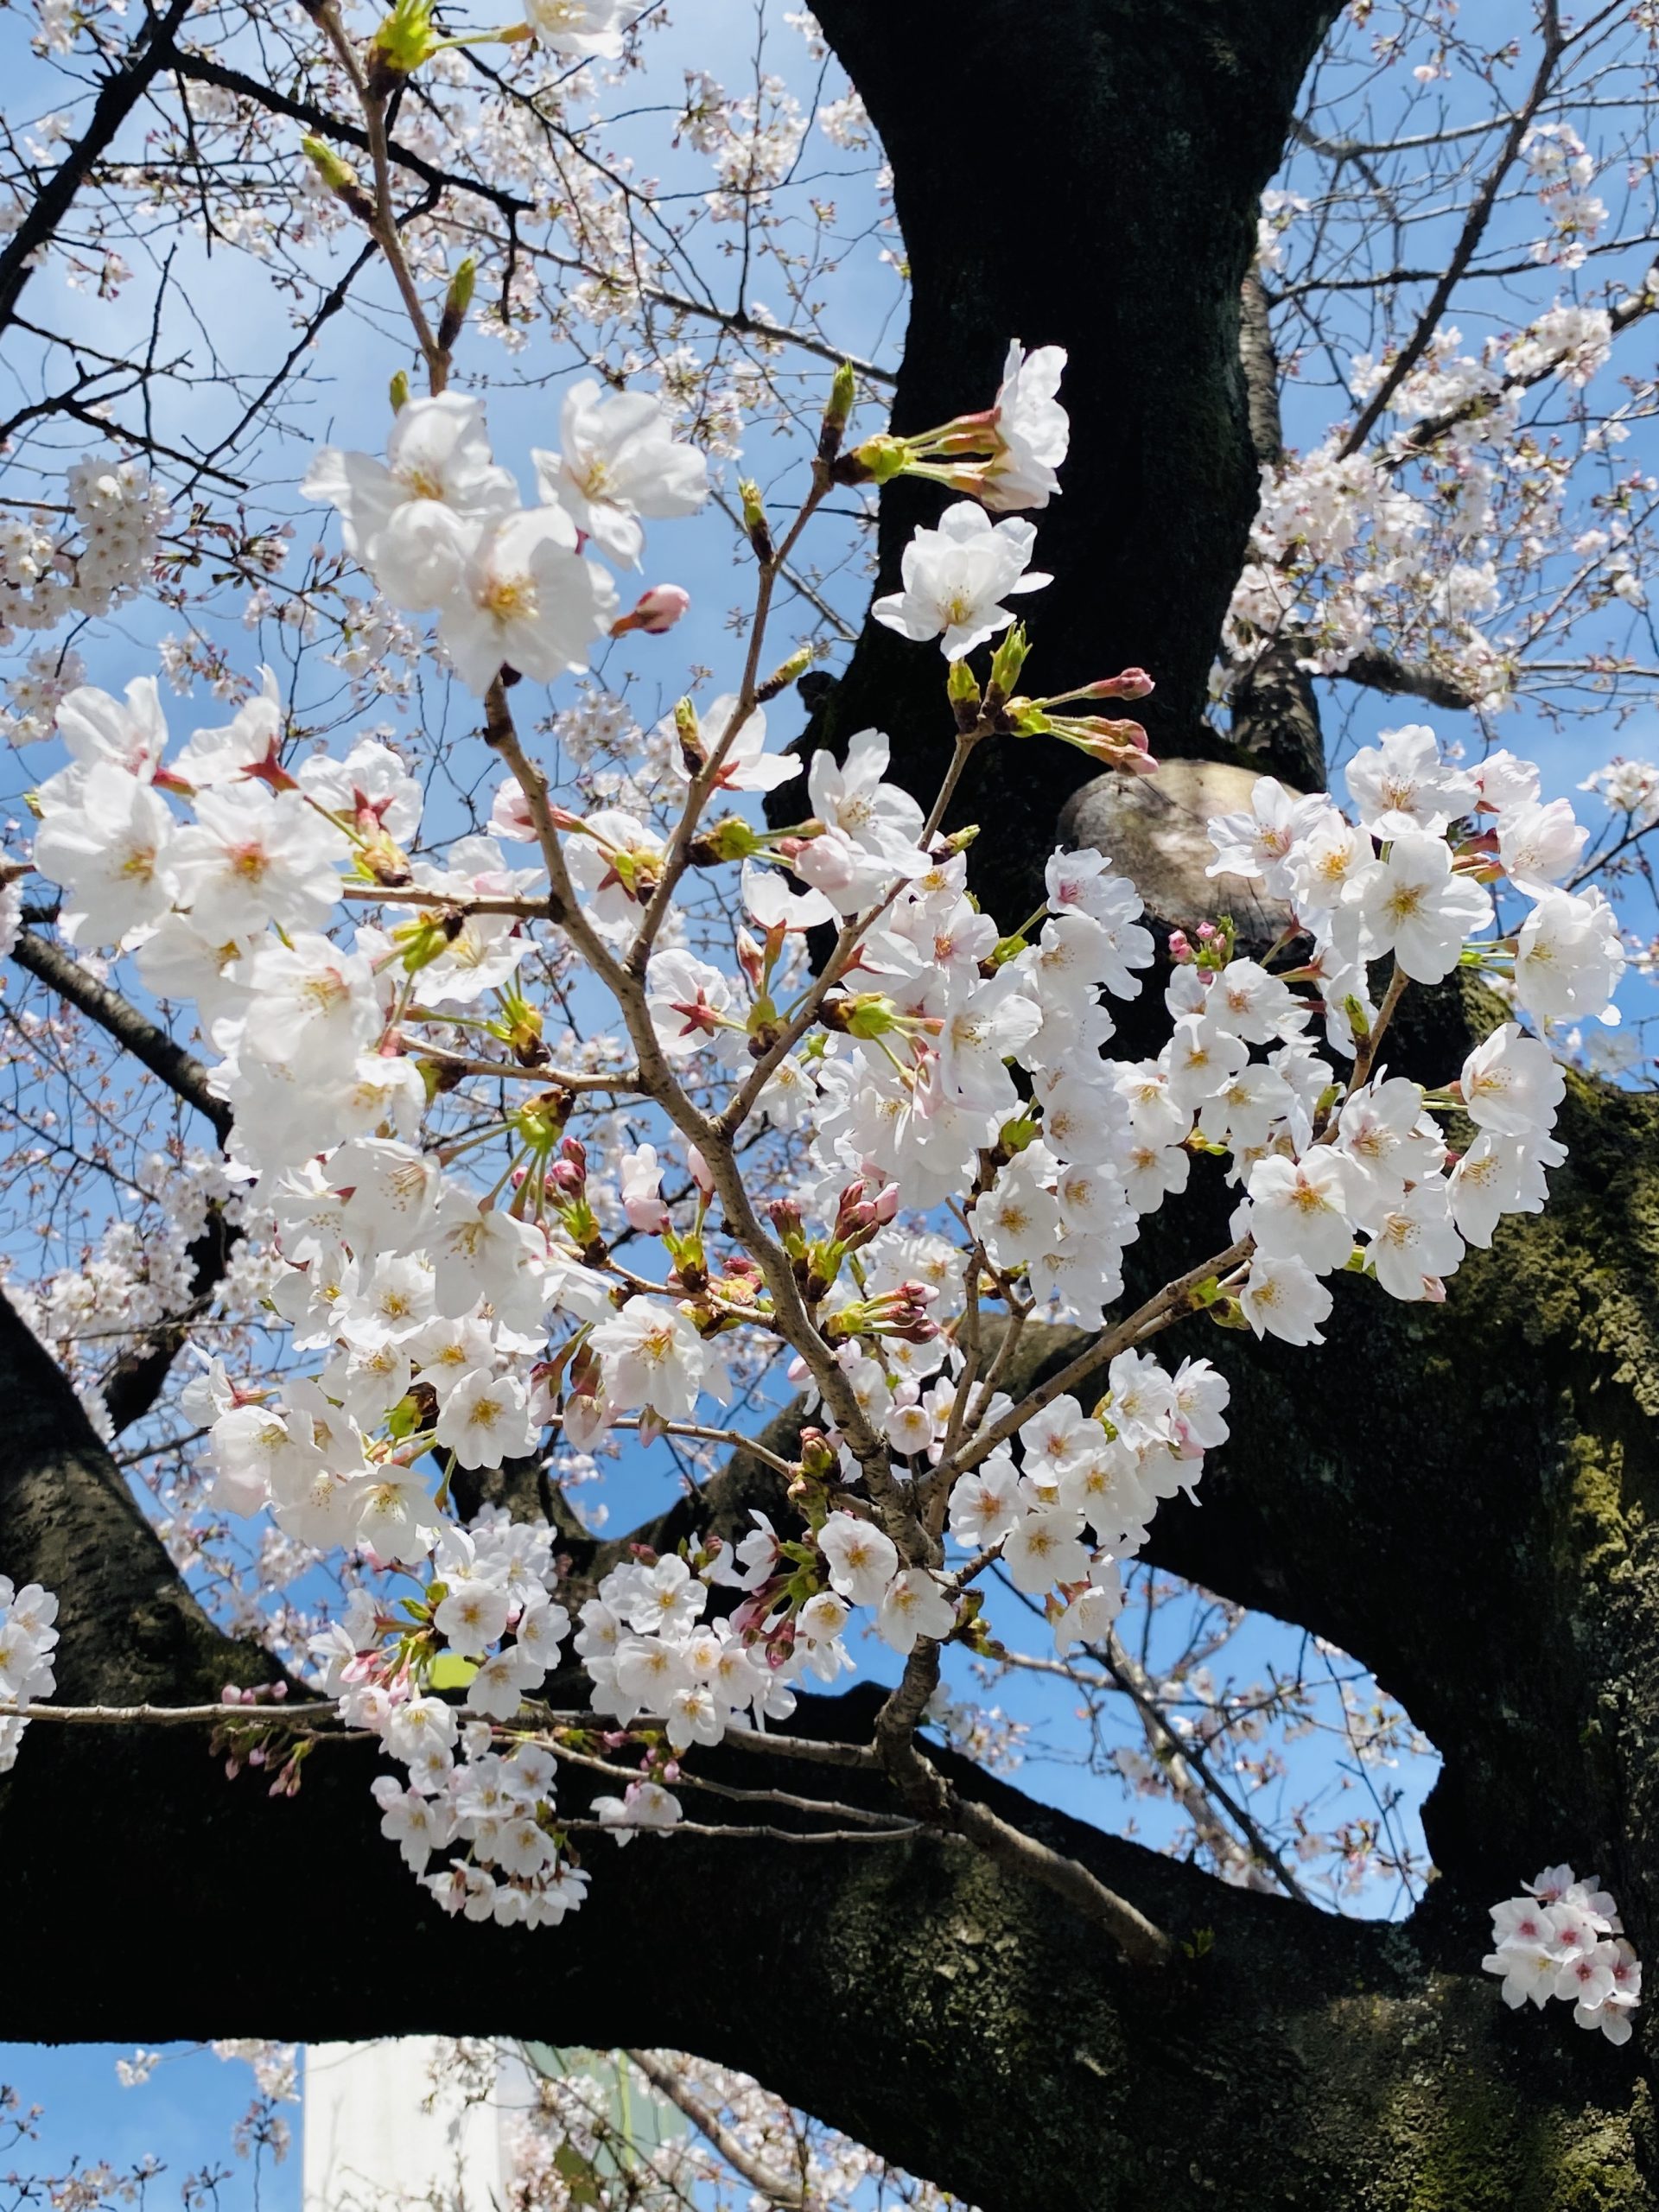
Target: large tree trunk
pixel 1086 174
pixel 1463 1496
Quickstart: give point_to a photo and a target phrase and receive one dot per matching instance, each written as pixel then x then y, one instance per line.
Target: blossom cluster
pixel 1395 885
pixel 52 567
pixel 461 1276
pixel 486 1602
pixel 1564 170
pixel 1629 787
pixel 28 1639
pixel 441 527
pixel 1345 558
pixel 1563 1938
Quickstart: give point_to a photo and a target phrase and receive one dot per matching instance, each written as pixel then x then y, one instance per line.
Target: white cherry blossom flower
pixel 1402 788
pixel 618 458
pixel 916 1604
pixel 956 577
pixel 526 599
pixel 1285 1298
pixel 1512 1083
pixel 1415 906
pixel 1031 429
pixel 862 1559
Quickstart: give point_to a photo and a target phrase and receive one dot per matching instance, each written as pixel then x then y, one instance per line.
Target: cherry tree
pixel 1021 1140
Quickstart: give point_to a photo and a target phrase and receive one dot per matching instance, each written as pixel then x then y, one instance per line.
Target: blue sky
pixel 184 2116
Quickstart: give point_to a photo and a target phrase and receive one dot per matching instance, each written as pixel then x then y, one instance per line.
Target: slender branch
pixel 150 53
pixel 372 101
pixel 166 1716
pixel 1141 1942
pixel 789 2195
pixel 546 1077
pixel 1473 230
pixel 745 1832
pixel 1422 435
pixel 409 895
pixel 735 1436
pixel 1180 1752
pixel 933 1800
pixel 812 1750
pixel 1170 1304
pixel 787 1798
pixel 738 320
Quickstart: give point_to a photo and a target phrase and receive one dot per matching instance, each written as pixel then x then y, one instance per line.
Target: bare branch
pixel 789 2194
pixel 1474 228
pixel 149 55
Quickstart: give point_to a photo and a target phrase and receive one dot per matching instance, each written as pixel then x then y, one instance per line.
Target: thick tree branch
pixel 1261 365
pixel 1275 719
pixel 130 1631
pixel 1147 541
pixel 151 1046
pixel 1380 671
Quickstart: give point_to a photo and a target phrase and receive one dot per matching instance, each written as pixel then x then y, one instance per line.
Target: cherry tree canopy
pixel 584 1163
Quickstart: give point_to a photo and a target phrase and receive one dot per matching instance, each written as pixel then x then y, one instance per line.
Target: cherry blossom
pixel 1562 1939
pixel 956 577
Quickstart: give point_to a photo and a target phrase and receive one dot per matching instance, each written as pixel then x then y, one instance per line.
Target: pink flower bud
pixel 751 958
pixel 1133 683
pixel 700 1175
pixel 659 610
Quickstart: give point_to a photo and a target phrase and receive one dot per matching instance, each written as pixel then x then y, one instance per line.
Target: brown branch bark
pixel 1380 671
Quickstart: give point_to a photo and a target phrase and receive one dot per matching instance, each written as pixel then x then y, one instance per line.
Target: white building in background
pixel 376 2132
pixel 397 2127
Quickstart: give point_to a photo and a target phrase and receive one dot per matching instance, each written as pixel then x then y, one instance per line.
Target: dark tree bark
pixel 1464 1496
pixel 960 2020
pixel 1083 173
